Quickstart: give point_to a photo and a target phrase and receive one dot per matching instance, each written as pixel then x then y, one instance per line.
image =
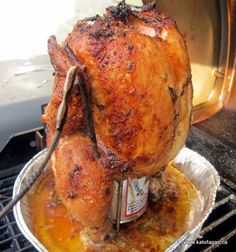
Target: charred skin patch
pixel 111 161
pixel 74 176
pixel 100 106
pixel 121 11
pixel 73 57
pixel 101 33
pixel 173 94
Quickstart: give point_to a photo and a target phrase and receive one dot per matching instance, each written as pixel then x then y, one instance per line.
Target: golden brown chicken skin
pixel 138 78
pixel 84 185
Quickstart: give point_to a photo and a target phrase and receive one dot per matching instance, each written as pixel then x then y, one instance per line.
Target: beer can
pixel 129 200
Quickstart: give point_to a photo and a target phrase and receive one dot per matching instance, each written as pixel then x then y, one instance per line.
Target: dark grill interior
pixel 221 225
pixel 11 239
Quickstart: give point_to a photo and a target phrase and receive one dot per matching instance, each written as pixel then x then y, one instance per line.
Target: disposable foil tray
pixel 201 173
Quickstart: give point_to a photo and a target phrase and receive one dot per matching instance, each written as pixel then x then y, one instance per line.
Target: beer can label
pixel 133 195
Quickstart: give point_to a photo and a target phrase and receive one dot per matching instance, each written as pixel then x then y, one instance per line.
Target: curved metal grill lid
pixel 211 39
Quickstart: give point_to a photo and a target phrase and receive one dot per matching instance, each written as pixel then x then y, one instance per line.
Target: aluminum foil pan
pixel 202 174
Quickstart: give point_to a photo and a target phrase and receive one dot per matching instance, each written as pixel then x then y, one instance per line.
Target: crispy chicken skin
pixel 84 185
pixel 138 78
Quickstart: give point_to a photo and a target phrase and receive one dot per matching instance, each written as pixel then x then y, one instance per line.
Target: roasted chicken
pixel 138 78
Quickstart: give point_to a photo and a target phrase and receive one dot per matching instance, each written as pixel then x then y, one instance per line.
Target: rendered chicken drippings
pixel 138 78
pixel 163 222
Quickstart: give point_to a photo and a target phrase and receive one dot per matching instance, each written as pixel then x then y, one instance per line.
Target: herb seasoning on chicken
pixel 138 80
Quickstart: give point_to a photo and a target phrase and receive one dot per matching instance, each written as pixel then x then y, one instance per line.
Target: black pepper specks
pixel 100 106
pixel 128 113
pixel 71 195
pixel 123 34
pixel 76 170
pixel 130 48
pixel 104 64
pixel 104 33
pixel 94 18
pixel 130 66
pixel 148 20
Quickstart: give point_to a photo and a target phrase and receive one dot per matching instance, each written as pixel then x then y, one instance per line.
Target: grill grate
pixel 220 225
pixel 11 239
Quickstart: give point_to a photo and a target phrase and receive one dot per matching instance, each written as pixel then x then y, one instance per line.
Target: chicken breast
pixel 138 77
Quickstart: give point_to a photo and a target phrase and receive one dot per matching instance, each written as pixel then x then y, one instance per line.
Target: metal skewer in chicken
pixel 137 74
